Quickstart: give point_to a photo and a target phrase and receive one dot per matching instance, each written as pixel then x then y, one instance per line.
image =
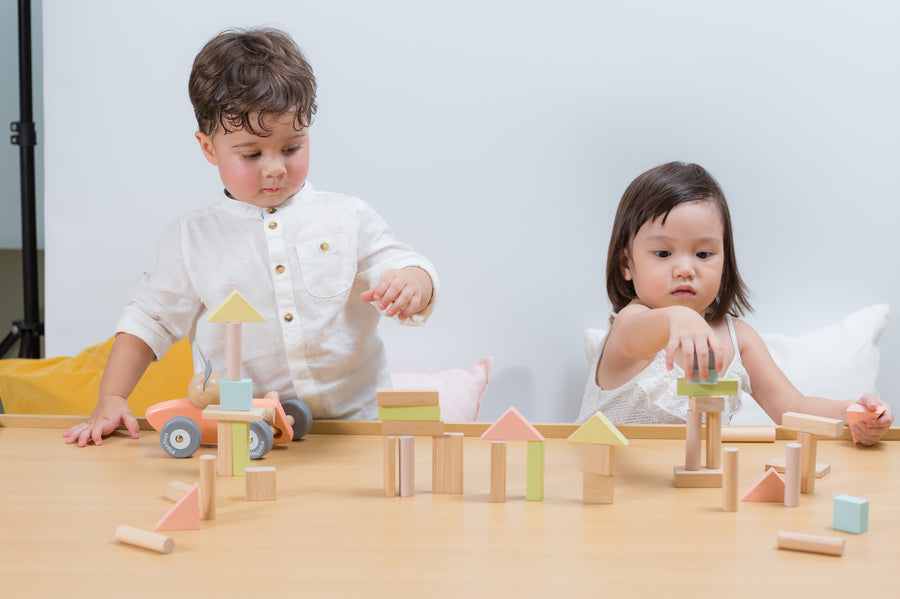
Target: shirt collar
pixel 246 210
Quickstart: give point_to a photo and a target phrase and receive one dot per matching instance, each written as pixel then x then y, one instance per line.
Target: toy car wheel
pixel 261 439
pixel 180 437
pixel 301 414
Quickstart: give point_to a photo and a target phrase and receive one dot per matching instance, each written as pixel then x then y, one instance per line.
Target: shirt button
pixel 272 210
pixel 273 225
pixel 324 246
pixel 288 317
pixel 279 269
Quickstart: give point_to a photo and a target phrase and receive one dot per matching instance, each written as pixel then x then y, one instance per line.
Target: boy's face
pixel 262 171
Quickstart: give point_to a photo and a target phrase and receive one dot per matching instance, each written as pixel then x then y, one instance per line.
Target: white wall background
pixel 497 138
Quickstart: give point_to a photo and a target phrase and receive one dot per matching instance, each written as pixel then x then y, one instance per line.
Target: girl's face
pixel 678 263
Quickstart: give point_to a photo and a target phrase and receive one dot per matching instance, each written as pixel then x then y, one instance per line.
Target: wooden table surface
pixel 331 533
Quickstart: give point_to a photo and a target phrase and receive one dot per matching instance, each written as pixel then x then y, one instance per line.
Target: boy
pixel 315 265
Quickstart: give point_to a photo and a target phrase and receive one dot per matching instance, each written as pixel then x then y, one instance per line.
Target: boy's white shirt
pixel 332 248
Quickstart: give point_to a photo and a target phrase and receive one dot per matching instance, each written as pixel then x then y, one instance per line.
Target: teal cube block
pixel 851 514
pixel 236 395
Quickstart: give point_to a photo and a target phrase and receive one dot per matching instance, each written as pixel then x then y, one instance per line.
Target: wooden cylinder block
pixel 792 472
pixel 207 487
pixel 144 538
pixel 812 543
pixel 692 441
pixel 730 482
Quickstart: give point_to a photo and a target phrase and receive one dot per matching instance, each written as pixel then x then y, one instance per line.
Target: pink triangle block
pixel 512 426
pixel 185 514
pixel 770 487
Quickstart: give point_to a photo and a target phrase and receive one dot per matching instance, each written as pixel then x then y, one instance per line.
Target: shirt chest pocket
pixel 327 265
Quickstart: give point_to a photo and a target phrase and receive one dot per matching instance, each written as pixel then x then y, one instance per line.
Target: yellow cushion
pixel 69 386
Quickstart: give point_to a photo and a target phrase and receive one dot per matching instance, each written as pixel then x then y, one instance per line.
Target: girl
pixel 673 281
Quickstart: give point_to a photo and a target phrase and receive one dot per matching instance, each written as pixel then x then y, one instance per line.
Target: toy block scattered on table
pixel 176 489
pixel 144 538
pixel 857 413
pixel 207 487
pixel 598 489
pixel 391 398
pixel 418 413
pixel 534 480
pixel 769 488
pixel 236 394
pixel 185 514
pixel 814 425
pixel 498 472
pixel 722 387
pixel 705 478
pixel 259 484
pixel 453 463
pixel 512 426
pixel 808 445
pixel 778 463
pixel 851 514
pixel 730 482
pixel 407 466
pixel 390 466
pixel 793 470
pixel 799 541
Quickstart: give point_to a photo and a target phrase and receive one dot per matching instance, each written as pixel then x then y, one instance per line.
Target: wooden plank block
pixel 208 487
pixel 697 479
pixel 598 459
pixel 185 514
pixel 410 413
pixel 407 466
pixel 534 479
pixel 224 455
pixel 260 483
pixel 730 479
pixel 407 397
pixel 706 404
pixel 778 463
pixel 713 440
pixel 144 538
pixel 176 489
pixel 692 441
pixel 215 412
pixel 748 434
pixel 727 386
pixel 438 457
pixel 409 427
pixel 811 543
pixel 598 489
pixel 814 425
pixel 807 462
pixel 390 466
pixel 498 472
pixel 792 472
pixel 453 463
pixel 240 447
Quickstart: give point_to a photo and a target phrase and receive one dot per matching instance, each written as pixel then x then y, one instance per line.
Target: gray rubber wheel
pixel 261 439
pixel 180 437
pixel 302 417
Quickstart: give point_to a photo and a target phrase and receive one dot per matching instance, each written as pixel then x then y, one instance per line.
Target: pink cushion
pixel 460 390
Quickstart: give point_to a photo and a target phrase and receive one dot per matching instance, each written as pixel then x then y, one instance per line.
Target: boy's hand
pixel 870 431
pixel 402 292
pixel 690 332
pixel 110 412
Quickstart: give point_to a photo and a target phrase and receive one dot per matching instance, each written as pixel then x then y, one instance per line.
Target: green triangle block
pixel 598 430
pixel 235 309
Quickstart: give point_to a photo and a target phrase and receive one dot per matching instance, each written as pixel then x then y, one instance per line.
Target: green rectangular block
pixel 240 447
pixel 534 478
pixel 410 413
pixel 722 387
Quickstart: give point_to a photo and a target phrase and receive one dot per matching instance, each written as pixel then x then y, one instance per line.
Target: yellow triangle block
pixel 235 309
pixel 599 430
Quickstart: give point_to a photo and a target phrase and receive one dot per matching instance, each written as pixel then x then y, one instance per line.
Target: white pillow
pixel 460 390
pixel 838 361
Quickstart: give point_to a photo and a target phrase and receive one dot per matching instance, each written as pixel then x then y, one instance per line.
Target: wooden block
pixel 598 488
pixel 453 463
pixel 224 455
pixel 697 479
pixel 144 538
pixel 438 458
pixel 713 440
pixel 176 489
pixel 407 466
pixel 814 425
pixel 811 543
pixel 207 487
pixel 407 397
pixel 851 514
pixel 390 466
pixel 778 463
pixel 598 459
pixel 410 413
pixel 792 472
pixel 727 386
pixel 748 434
pixel 234 308
pixel 730 479
pixel 240 447
pixel 215 412
pixel 512 426
pixel 769 488
pixel 807 462
pixel 598 429
pixel 409 427
pixel 706 404
pixel 185 514
pixel 260 483
pixel 498 472
pixel 234 396
pixel 692 441
pixel 233 354
pixel 534 478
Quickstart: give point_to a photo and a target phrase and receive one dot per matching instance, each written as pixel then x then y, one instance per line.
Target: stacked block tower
pixel 598 438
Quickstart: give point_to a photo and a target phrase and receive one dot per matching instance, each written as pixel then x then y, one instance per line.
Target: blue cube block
pixel 851 514
pixel 236 395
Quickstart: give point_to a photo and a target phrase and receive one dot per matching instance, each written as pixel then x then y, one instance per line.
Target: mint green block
pixel 236 395
pixel 851 514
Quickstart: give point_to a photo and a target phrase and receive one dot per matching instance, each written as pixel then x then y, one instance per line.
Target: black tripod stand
pixel 27 331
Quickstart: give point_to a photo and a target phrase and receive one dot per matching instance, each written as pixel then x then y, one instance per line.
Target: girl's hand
pixel 108 415
pixel 403 292
pixel 690 332
pixel 870 431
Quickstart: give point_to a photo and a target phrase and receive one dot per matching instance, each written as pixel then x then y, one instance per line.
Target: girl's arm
pixel 776 394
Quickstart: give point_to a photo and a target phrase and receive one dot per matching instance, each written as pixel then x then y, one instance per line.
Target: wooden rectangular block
pixel 409 427
pixel 697 479
pixel 534 478
pixel 390 466
pixel 407 466
pixel 706 404
pixel 407 397
pixel 722 387
pixel 713 440
pixel 598 488
pixel 437 465
pixel 598 459
pixel 215 412
pixel 748 434
pixel 260 483
pixel 807 462
pixel 814 425
pixel 240 447
pixel 410 413
pixel 224 456
pixel 498 472
pixel 453 463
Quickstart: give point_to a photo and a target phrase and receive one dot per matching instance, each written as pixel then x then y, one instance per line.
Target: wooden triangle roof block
pixel 768 488
pixel 235 309
pixel 598 430
pixel 512 426
pixel 185 514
